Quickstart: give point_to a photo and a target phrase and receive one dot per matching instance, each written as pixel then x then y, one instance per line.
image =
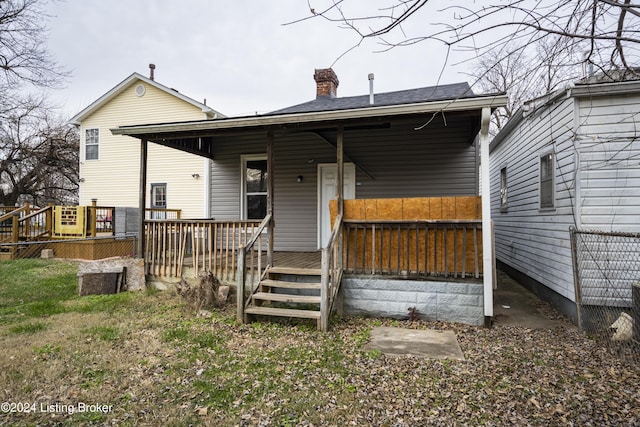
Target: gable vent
pixel 140 90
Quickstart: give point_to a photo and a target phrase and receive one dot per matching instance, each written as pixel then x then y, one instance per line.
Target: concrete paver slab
pixel 424 343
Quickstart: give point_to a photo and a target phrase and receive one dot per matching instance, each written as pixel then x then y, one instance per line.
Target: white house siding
pixel 114 178
pixel 399 162
pixel 610 163
pixel 532 241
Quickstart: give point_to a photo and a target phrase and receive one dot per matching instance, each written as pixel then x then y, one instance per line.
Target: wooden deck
pixel 297 259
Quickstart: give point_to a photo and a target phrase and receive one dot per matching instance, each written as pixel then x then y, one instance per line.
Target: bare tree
pixel 604 33
pixel 523 77
pixel 38 152
pixel 23 54
pixel 38 156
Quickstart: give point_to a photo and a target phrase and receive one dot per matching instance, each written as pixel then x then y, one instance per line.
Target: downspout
pixel 207 188
pixel 487 229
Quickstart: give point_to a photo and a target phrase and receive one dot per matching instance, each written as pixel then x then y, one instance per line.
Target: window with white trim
pixel 503 189
pixel 158 201
pixel 547 187
pixel 254 186
pixel 91 144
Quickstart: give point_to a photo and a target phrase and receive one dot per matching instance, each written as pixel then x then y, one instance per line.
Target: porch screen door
pixel 327 191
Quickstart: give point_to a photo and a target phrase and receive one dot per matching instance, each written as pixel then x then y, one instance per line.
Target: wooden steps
pixel 284 312
pixel 287 292
pixel 300 299
pixel 290 285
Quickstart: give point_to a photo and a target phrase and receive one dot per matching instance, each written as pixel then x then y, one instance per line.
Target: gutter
pixel 492 101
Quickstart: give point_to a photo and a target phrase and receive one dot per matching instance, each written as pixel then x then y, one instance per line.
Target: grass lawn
pixel 143 358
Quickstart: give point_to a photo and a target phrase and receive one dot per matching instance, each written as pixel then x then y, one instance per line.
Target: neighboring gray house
pixel 570 158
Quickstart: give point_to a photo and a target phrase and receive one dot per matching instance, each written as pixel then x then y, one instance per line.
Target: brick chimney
pixel 326 82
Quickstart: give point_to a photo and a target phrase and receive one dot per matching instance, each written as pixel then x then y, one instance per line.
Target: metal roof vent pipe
pixel 371 101
pixel 152 67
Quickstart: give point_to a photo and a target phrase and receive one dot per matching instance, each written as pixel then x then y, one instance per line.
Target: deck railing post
pixel 15 234
pixel 240 280
pixel 324 289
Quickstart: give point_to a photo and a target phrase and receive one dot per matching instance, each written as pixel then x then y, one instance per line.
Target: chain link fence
pixel 607 286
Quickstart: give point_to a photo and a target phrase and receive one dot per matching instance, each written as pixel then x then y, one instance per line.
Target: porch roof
pixel 196 136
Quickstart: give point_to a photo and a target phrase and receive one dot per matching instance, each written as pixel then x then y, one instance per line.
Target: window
pixel 158 201
pixel 503 189
pixel 254 187
pixel 91 142
pixel 547 167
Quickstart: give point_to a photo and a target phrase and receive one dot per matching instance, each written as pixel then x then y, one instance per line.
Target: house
pixel 568 159
pixel 110 164
pixel 407 225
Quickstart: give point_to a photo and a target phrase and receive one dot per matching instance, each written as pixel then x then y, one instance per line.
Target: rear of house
pixel 569 159
pixel 410 157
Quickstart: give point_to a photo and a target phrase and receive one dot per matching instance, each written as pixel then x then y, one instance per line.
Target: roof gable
pixel 123 85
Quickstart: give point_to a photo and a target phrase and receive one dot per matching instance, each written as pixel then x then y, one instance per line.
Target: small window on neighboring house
pixel 503 189
pixel 158 201
pixel 547 167
pixel 255 187
pixel 91 144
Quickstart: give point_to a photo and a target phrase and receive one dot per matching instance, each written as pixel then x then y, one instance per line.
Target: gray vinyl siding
pixel 401 162
pixel 610 163
pixel 531 240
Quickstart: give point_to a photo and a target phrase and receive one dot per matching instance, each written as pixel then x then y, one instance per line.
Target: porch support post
pixel 340 161
pixel 270 204
pixel 487 234
pixel 142 200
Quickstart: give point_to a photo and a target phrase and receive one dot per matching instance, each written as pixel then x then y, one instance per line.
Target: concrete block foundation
pixel 445 301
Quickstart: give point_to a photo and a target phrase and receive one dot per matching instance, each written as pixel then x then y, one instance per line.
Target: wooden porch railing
pixel 162 213
pixel 250 259
pixel 332 268
pixel 419 248
pixel 209 245
pixel 25 223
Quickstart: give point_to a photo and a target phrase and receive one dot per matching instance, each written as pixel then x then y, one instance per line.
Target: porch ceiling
pixel 198 137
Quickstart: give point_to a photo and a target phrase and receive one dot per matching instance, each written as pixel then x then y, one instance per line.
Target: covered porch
pixel 382 146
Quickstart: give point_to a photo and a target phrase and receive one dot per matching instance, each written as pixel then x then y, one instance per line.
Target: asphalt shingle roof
pixel 410 96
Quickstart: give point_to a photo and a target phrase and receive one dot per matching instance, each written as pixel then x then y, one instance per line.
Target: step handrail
pixel 332 258
pixel 241 276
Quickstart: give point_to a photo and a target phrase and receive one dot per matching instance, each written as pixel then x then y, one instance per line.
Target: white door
pixel 327 175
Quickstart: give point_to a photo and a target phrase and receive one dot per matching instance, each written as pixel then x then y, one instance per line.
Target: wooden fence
pixel 418 248
pixel 207 245
pixel 413 237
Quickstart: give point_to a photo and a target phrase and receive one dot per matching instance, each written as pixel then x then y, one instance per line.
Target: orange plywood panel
pixel 333 210
pixel 415 208
pixel 371 209
pixel 388 209
pixel 448 208
pixel 435 208
pixel 479 207
pixel 467 207
pixel 354 209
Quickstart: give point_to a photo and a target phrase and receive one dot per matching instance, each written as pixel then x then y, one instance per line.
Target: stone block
pixel 425 298
pixel 135 278
pixel 457 288
pixel 46 253
pixel 476 289
pixel 100 283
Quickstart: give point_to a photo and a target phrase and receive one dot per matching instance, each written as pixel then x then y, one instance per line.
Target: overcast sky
pixel 235 53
